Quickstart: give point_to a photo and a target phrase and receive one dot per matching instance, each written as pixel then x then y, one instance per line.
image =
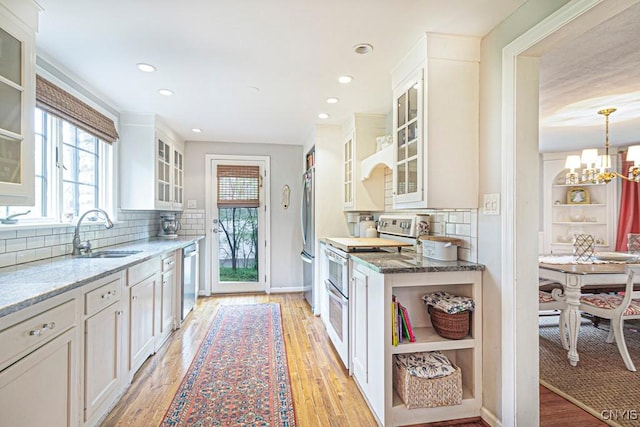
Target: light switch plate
pixel 192 204
pixel 491 205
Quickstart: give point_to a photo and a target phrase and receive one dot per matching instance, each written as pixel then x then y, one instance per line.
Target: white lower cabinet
pixel 373 351
pixel 141 326
pixel 39 372
pixel 165 300
pixel 360 334
pixel 103 343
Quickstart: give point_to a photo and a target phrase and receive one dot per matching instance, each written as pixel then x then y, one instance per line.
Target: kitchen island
pixel 377 279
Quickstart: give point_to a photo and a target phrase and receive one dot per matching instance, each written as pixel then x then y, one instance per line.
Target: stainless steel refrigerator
pixel 308 235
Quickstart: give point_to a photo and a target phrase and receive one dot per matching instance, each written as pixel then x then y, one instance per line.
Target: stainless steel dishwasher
pixel 189 279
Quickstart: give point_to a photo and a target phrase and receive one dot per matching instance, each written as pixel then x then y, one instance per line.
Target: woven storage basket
pixel 418 392
pixel 452 326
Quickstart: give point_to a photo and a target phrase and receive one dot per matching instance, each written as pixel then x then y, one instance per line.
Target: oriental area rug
pixel 240 375
pixel 600 383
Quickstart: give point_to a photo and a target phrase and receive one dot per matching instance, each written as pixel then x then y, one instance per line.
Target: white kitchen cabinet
pixel 360 133
pixel 360 331
pixel 143 281
pixel 39 370
pixel 17 92
pixel 436 124
pixel 152 164
pixel 374 299
pixel 562 219
pixel 103 331
pixel 165 316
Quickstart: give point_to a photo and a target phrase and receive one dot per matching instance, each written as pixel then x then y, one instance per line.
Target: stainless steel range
pixel 404 228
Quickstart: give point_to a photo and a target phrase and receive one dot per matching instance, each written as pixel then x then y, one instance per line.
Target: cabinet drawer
pixel 138 273
pixel 101 297
pixel 36 330
pixel 169 262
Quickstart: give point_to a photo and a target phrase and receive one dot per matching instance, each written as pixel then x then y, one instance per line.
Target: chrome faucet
pixel 78 247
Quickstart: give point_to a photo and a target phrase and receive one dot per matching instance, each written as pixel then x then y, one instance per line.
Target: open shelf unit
pixel 466 353
pixel 563 219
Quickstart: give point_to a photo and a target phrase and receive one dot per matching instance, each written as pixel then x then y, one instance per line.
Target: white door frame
pixel 209 175
pixel 519 266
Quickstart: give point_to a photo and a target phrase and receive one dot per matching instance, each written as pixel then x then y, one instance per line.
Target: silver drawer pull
pixel 45 327
pixel 108 295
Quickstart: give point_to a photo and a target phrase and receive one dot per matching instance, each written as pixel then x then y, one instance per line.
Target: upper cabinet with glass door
pixel 17 105
pixel 151 164
pixel 435 123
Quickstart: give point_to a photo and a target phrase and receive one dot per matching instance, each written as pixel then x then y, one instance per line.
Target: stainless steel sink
pixel 109 254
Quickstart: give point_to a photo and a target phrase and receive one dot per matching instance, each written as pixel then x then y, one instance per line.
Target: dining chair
pixel 554 300
pixel 617 309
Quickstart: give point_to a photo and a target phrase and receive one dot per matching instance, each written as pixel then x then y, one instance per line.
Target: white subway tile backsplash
pixel 35 242
pixel 14 245
pixel 20 246
pixel 463 229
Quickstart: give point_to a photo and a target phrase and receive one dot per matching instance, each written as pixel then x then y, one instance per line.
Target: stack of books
pixel 400 324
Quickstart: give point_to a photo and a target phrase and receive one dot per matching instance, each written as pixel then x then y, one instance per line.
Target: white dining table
pixel 575 277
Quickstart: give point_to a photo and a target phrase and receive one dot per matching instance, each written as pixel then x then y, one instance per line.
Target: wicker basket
pixel 418 392
pixel 452 326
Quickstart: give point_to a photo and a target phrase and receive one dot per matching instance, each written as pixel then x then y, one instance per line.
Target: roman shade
pixel 238 186
pixel 62 104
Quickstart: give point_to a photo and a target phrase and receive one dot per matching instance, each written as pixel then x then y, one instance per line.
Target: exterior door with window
pixel 237 211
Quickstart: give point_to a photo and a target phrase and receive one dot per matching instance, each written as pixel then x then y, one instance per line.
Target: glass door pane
pixel 238 247
pixel 10 150
pixel 10 57
pixel 10 107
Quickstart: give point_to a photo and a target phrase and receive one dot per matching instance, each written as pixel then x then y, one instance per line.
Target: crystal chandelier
pixel 597 168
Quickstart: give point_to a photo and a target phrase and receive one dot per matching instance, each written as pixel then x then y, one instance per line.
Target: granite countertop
pixel 23 285
pixel 394 262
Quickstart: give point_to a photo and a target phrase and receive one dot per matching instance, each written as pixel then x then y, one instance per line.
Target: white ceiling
pixel 213 54
pixel 597 70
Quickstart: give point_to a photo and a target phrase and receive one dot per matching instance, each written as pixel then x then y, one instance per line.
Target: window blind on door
pixel 238 186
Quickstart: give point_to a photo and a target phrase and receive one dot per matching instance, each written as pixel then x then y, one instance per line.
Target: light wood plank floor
pixel 324 394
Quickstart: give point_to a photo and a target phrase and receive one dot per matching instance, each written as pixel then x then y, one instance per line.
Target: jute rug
pixel 240 375
pixel 600 383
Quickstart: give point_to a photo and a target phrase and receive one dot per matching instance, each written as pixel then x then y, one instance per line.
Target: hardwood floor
pixel 324 394
pixel 556 411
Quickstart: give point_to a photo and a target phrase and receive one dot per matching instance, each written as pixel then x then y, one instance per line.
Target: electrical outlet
pixel 192 204
pixel 491 205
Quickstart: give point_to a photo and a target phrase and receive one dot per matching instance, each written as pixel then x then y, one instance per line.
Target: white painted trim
pixel 208 217
pixel 511 394
pixel 489 417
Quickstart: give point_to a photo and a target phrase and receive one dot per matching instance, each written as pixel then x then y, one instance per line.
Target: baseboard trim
pixel 489 417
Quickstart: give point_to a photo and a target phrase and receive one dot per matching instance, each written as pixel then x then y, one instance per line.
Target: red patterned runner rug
pixel 240 374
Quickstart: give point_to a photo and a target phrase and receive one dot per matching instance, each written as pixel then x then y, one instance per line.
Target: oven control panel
pixel 403 225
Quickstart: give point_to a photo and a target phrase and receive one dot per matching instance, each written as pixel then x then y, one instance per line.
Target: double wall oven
pixel 337 287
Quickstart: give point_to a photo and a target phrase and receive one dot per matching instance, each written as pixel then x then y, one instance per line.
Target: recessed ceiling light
pixel 332 100
pixel 147 68
pixel 196 130
pixel 345 79
pixel 166 92
pixel 362 48
pixel 323 116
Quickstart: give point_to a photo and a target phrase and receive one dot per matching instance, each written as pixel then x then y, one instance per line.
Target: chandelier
pixel 597 168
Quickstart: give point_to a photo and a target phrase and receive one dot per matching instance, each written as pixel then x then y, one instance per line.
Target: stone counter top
pixel 23 285
pixel 393 262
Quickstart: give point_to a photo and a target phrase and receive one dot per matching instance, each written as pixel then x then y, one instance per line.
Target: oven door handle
pixel 335 295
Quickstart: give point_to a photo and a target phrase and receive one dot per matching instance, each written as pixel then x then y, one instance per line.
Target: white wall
pixel 490 227
pixel 286 168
